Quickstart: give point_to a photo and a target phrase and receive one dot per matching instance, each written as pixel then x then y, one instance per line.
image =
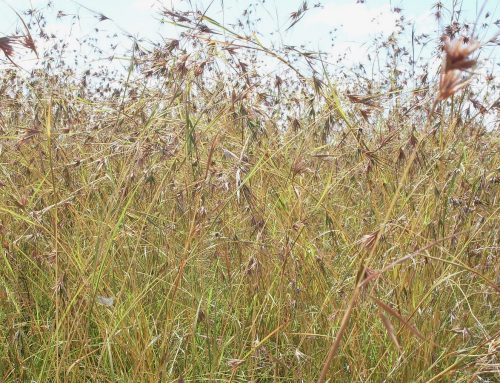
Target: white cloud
pixel 351 52
pixel 424 22
pixel 149 5
pixel 356 21
pixel 355 24
pixel 144 5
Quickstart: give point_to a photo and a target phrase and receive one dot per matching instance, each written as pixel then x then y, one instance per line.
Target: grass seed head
pixel 457 54
pixel 450 83
pixel 6 45
pixel 456 59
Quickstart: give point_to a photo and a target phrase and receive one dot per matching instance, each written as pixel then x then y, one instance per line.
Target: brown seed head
pixel 368 240
pixel 6 46
pixel 457 54
pixel 28 42
pixel 450 83
pixel 456 59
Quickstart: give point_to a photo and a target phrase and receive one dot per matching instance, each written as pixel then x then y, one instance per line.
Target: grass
pixel 177 232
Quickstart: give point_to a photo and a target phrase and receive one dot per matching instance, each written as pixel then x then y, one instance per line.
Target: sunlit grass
pixel 176 233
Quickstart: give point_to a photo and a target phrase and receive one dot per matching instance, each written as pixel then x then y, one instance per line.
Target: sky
pixel 355 24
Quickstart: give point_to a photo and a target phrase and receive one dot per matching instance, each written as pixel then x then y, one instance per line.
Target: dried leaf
pixel 390 329
pixel 389 310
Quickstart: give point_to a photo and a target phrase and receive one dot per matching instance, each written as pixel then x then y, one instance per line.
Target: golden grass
pixel 179 231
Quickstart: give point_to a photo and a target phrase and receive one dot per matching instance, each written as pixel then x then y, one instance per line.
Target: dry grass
pixel 198 221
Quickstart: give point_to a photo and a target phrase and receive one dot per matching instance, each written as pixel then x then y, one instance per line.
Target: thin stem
pixel 352 302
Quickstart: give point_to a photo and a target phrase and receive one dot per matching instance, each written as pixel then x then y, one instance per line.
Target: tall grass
pixel 196 220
